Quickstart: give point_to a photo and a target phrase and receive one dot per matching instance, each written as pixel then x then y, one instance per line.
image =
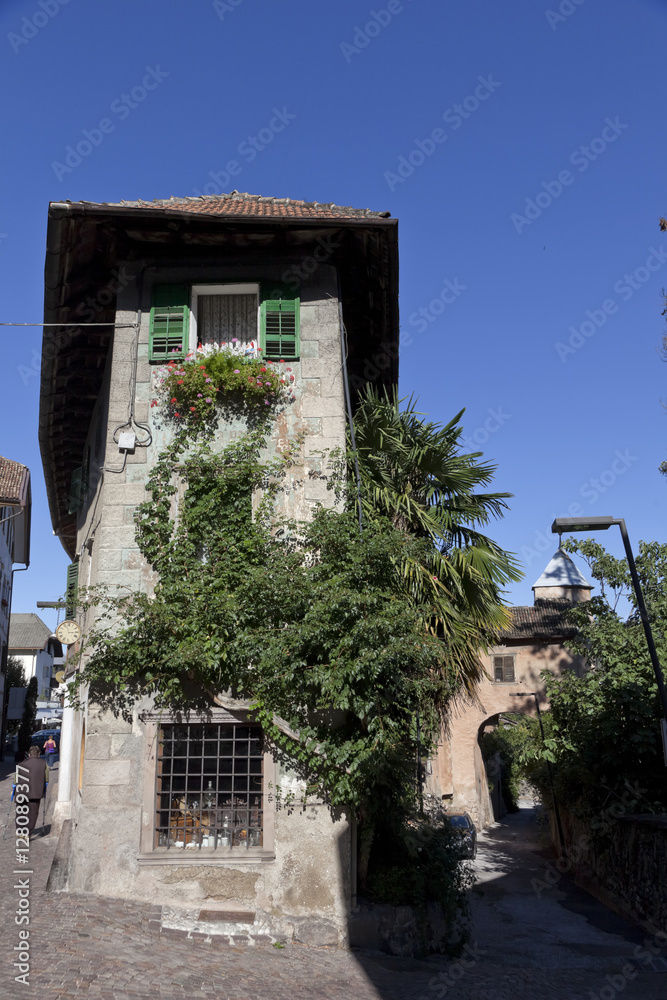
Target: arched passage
pixel 459 768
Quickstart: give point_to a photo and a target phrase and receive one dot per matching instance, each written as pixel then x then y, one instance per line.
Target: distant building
pixel 533 643
pixel 15 506
pixel 33 643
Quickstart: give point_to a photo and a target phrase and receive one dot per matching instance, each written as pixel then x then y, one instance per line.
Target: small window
pixel 224 315
pixel 209 788
pixel 503 669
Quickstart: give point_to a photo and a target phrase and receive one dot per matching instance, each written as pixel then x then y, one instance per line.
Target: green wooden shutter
pixel 170 320
pixel 71 589
pixel 75 500
pixel 280 329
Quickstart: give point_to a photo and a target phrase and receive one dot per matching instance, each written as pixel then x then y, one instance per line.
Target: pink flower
pixel 199 395
pixel 234 340
pixel 209 400
pixel 237 371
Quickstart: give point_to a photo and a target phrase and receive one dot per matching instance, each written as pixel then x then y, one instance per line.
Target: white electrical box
pixel 127 441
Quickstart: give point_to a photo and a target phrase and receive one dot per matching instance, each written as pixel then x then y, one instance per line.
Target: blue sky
pixel 528 215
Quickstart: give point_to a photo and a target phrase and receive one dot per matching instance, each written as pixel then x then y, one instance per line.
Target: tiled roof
pixel 27 632
pixel 11 481
pixel 544 619
pixel 237 203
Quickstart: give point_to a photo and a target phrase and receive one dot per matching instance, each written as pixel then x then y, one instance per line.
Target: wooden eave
pixel 86 242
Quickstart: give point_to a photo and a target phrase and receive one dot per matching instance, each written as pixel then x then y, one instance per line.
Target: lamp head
pixel 563 524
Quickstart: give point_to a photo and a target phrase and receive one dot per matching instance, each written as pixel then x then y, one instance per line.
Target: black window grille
pixel 209 787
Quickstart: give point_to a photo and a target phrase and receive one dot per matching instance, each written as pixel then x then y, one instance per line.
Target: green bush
pixel 419 865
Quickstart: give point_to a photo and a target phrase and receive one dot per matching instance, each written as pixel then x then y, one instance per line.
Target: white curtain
pixel 220 318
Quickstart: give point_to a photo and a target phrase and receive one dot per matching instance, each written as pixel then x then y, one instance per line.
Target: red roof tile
pixel 11 481
pixel 546 619
pixel 237 203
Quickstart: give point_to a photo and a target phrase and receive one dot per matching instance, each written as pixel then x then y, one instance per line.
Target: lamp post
pixel 533 694
pixel 562 524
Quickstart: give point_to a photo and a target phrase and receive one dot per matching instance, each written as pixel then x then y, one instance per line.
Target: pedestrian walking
pixel 50 750
pixel 38 775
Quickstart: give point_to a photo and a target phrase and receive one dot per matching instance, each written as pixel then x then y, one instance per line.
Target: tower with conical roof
pixel 561 580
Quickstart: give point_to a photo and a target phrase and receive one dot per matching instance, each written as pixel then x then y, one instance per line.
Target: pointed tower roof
pixel 561 572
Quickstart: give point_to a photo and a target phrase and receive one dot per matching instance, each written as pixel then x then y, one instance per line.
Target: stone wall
pixel 624 864
pixel 309 877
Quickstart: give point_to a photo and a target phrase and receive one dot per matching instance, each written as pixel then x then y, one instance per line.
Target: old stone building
pixel 185 815
pixel 533 643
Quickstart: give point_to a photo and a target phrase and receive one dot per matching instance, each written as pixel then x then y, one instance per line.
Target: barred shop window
pixel 503 669
pixel 209 788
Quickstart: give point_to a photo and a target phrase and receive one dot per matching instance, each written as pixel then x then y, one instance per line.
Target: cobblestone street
pixel 560 946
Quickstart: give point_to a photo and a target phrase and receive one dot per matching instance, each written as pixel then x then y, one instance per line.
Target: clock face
pixel 68 632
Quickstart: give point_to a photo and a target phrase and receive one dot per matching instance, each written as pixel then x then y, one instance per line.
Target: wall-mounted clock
pixel 68 632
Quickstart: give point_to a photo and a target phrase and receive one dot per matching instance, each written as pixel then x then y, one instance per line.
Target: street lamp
pixel 562 524
pixel 533 694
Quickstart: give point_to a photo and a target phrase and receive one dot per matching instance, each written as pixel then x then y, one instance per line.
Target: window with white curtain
pixel 224 314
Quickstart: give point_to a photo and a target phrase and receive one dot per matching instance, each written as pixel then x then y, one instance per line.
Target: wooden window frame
pixel 231 288
pixel 504 667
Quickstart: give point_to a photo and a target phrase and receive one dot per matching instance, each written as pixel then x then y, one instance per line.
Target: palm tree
pixel 411 470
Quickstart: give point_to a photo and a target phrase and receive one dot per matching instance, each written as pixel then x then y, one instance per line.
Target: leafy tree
pixel 604 727
pixel 412 472
pixel 15 673
pixel 29 719
pixel 14 677
pixel 517 739
pixel 334 641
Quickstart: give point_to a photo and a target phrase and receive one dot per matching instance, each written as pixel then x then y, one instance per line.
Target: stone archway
pixel 460 777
